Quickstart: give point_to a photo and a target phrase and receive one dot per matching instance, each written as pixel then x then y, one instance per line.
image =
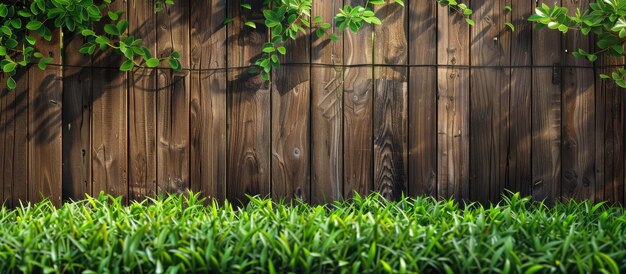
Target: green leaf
pixel 282 50
pixel 127 65
pixel 510 25
pixel 246 6
pixel 11 83
pixel 4 11
pixel 34 25
pixel 251 24
pixel 111 29
pixel 153 62
pixel 9 67
pixel 469 21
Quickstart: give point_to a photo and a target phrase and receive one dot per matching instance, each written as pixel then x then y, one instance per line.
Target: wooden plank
pixel 453 106
pixel 249 108
pixel 142 108
pixel 519 172
pixel 422 99
pixel 76 121
pixel 489 97
pixel 291 101
pixel 13 140
pixel 110 122
pixel 208 98
pixel 390 101
pixel 44 143
pixel 610 119
pixel 173 101
pixel 358 117
pixel 578 136
pixel 290 130
pixel 546 115
pixel 326 111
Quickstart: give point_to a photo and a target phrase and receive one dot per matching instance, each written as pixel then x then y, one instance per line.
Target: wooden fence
pixel 422 105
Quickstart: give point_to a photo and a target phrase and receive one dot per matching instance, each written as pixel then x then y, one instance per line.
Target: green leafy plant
pixel 286 18
pixel 184 234
pixel 605 19
pixel 24 24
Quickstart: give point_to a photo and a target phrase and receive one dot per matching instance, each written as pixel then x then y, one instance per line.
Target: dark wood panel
pixel 76 120
pixel 453 106
pixel 546 115
pixel 173 101
pixel 358 102
pixel 44 123
pixel 110 122
pixel 142 107
pixel 326 110
pixel 291 101
pixel 249 109
pixel 610 134
pixel 578 148
pixel 208 98
pixel 422 99
pixel 489 97
pixel 13 140
pixel 390 101
pixel 519 173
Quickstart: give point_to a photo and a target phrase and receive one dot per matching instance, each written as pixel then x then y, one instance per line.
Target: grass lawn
pixel 363 235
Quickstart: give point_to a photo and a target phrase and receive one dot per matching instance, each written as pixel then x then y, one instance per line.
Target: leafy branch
pixel 23 24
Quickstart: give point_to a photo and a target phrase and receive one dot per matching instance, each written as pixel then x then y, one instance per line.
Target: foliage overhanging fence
pixel 423 104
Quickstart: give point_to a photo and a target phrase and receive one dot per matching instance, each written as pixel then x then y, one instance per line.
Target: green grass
pixel 366 234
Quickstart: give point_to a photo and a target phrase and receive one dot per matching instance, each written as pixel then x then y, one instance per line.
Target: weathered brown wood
pixel 546 115
pixel 578 139
pixel 326 111
pixel 390 101
pixel 76 120
pixel 610 134
pixel 173 101
pixel 142 107
pixel 453 106
pixel 13 140
pixel 208 98
pixel 358 102
pixel 44 123
pixel 110 122
pixel 519 173
pixel 489 97
pixel 248 109
pixel 291 101
pixel 422 99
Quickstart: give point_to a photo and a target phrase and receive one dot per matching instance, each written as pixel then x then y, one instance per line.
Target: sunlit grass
pixel 363 235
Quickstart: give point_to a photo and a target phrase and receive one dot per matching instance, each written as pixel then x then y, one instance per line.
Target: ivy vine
pixel 23 23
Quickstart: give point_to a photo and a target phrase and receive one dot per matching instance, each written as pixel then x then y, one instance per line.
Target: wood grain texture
pixel 76 121
pixel 249 109
pixel 13 140
pixel 489 97
pixel 422 99
pixel 358 117
pixel 208 98
pixel 173 101
pixel 142 107
pixel 610 134
pixel 326 111
pixel 110 122
pixel 44 123
pixel 291 101
pixel 546 115
pixel 453 106
pixel 390 101
pixel 519 174
pixel 578 147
